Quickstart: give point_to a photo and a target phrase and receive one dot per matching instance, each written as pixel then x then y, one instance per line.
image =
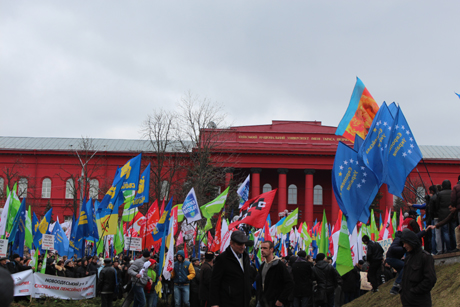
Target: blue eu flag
pixel 355 186
pixel 372 152
pixel 402 155
pixel 358 142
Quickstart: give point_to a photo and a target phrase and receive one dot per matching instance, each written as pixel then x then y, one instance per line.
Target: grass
pixel 446 292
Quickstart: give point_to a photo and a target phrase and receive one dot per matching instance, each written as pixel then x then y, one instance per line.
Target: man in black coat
pixel 273 282
pixel 195 284
pixel 351 283
pixel 231 280
pixel 107 283
pixel 205 279
pixel 327 279
pixel 302 272
pixel 375 257
pixel 419 275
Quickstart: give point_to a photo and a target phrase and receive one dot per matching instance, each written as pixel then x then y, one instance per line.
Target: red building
pixel 296 157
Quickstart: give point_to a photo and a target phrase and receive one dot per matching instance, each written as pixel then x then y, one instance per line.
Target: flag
pixel 129 214
pixel 119 239
pixel 35 224
pixel 163 223
pixel 142 195
pixel 290 221
pixel 85 222
pixel 267 236
pixel 13 208
pixel 215 247
pixel 214 206
pixel 190 207
pixel 358 143
pixel 169 261
pixel 373 229
pixel 324 240
pixel 43 270
pixel 354 185
pixel 359 115
pixel 403 155
pixel 180 240
pixel 344 263
pixel 386 229
pixel 4 216
pixel 112 194
pixel 354 245
pixel 18 231
pixel 153 216
pixel 35 261
pixel 457 95
pixel 394 224
pixel 243 191
pixel 130 173
pixel 61 243
pixel 372 152
pixel 29 237
pixel 42 228
pixel 305 235
pixel 255 210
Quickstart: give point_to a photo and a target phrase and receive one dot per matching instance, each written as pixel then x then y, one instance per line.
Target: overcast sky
pixel 96 68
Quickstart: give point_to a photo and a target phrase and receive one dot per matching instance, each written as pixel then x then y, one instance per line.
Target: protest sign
pixel 3 248
pixel 64 287
pixel 365 284
pixel 385 245
pixel 23 283
pixel 48 242
pixel 133 244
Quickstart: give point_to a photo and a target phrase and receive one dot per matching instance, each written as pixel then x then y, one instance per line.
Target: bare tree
pixel 168 161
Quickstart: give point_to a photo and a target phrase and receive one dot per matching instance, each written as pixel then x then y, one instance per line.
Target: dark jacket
pixel 230 286
pixel 432 206
pixel 70 272
pixel 374 252
pixel 452 217
pixel 60 271
pixel 92 268
pixel 278 284
pixel 351 281
pixel 396 249
pixel 195 282
pixel 419 275
pixel 326 275
pixel 302 272
pixel 443 200
pixel 205 281
pixel 15 267
pixel 107 281
pixel 80 272
pixel 455 196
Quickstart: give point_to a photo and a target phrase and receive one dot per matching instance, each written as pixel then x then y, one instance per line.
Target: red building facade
pixel 295 157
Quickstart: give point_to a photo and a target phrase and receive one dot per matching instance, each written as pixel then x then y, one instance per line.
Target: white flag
pixel 169 261
pixel 354 245
pixel 4 216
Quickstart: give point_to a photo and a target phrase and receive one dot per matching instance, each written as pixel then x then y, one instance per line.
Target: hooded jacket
pixel 277 285
pixel 326 275
pixel 135 269
pixel 183 271
pixel 419 275
pixel 302 271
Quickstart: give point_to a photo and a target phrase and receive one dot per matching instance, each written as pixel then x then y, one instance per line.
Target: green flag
pixel 128 215
pixel 34 262
pixel 208 225
pixel 323 246
pixel 180 214
pixel 344 262
pixel 305 235
pixel 44 263
pixel 209 209
pixel 28 236
pixel 13 208
pixel 290 222
pixel 393 221
pixel 374 230
pixel 119 239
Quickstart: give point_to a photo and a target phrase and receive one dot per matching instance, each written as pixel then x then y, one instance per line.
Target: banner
pixel 190 207
pixel 48 242
pixel 23 283
pixel 385 244
pixel 64 287
pixel 133 243
pixel 3 247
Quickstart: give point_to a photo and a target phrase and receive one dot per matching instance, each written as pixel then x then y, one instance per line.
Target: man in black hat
pixel 107 283
pixel 205 278
pixel 195 284
pixel 232 275
pixel 15 265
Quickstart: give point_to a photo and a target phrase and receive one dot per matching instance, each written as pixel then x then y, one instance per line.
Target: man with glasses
pixel 232 275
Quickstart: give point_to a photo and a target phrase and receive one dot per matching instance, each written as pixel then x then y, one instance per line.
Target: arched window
pixel 318 195
pixel 2 185
pixel 292 194
pixel 266 188
pixel 164 189
pixel 22 187
pixel 94 188
pixel 46 188
pixel 69 188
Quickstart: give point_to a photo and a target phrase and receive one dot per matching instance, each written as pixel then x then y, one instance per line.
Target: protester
pixel 59 269
pixel 302 271
pixel 70 270
pixel 182 274
pixel 81 268
pixel 205 279
pixel 93 266
pixel 375 257
pixel 436 244
pixel 139 280
pixel 15 266
pixel 351 283
pixel 273 282
pixel 119 278
pixel 232 274
pixel 107 283
pixel 6 288
pixel 443 202
pixel 150 295
pixel 327 279
pixel 195 284
pixel 3 263
pixel 451 218
pixel 411 222
pixel 394 255
pixel 419 275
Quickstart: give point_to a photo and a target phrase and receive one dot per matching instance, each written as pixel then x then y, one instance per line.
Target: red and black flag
pixel 255 211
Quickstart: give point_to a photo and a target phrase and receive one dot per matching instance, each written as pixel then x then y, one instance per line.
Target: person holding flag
pixel 374 257
pixel 139 278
